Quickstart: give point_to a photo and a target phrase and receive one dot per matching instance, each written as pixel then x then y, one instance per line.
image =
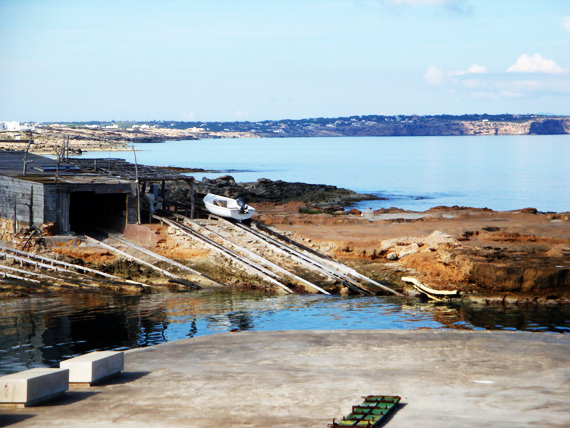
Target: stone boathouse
pixel 35 190
pixel 78 193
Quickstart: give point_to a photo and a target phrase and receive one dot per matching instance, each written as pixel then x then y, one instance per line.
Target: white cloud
pixel 436 76
pixel 566 23
pixel 485 95
pixel 475 83
pixel 190 117
pixel 477 69
pixel 419 2
pixel 460 6
pixel 526 84
pixel 535 64
pixel 240 115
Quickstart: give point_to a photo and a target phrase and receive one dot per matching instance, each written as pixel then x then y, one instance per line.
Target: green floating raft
pixel 370 413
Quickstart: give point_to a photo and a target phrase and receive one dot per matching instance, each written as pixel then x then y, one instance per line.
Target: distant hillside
pixel 372 125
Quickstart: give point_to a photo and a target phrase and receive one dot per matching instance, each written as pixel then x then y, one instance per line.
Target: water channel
pixel 41 331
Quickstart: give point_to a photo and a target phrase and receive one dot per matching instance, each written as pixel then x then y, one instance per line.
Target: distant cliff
pixel 380 125
pixel 423 127
pixel 549 127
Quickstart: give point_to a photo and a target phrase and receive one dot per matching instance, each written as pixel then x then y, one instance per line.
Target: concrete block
pixel 31 387
pixel 94 367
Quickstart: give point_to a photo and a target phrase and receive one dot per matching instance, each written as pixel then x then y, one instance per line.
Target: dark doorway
pixel 89 210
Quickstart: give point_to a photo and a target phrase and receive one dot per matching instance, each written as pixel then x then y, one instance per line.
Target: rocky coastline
pixel 49 138
pixel 515 257
pixel 319 196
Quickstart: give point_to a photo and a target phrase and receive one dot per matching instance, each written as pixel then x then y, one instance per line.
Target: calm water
pixel 498 172
pixel 502 172
pixel 42 331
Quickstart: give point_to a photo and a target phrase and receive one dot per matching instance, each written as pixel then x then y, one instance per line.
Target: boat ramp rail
pixel 277 242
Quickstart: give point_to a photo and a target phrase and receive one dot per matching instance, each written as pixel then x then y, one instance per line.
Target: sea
pixel 503 172
pixel 414 173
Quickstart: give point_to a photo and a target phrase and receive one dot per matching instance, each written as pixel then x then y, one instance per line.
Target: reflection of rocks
pixel 265 190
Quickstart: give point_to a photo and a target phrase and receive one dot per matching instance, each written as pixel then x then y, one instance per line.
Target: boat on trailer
pixel 228 207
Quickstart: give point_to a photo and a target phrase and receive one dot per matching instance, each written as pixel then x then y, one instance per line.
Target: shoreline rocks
pixel 278 191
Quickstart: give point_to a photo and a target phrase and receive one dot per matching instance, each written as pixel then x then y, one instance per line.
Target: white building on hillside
pixel 11 126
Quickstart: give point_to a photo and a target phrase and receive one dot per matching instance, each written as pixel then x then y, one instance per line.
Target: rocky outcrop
pixel 265 190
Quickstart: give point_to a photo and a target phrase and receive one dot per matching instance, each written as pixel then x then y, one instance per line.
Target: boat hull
pixel 227 207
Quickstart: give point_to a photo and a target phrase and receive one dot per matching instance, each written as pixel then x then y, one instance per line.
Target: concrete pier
pixel 305 378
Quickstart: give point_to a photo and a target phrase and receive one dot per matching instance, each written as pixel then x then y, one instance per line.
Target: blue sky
pixel 75 60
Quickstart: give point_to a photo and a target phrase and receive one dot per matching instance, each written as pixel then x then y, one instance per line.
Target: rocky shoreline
pixel 318 196
pixel 48 139
pixel 518 257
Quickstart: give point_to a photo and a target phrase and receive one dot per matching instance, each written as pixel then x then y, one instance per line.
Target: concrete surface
pixel 32 386
pixel 94 367
pixel 305 378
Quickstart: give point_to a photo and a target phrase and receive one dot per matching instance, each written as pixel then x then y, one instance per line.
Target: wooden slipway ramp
pixel 45 274
pixel 175 272
pixel 271 256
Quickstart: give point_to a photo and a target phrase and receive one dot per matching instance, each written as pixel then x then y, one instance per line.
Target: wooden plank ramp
pixel 68 266
pixel 67 273
pixel 301 258
pixel 333 270
pixel 253 255
pixel 248 265
pixel 315 255
pixel 161 258
pixel 129 256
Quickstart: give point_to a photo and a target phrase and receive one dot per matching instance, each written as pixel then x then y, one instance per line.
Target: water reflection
pixel 41 331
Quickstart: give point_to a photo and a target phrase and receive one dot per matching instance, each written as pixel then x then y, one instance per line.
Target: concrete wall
pixel 19 192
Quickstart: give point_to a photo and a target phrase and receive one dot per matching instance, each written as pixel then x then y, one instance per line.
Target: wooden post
pixel 60 153
pixel 31 207
pixel 163 195
pixel 25 158
pixel 192 201
pixel 137 188
pixel 15 216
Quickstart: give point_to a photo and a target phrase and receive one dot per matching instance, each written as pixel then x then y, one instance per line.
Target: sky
pixel 252 60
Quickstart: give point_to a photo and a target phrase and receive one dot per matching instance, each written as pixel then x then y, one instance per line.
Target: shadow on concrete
pixel 6 420
pixel 390 415
pixel 124 377
pixel 69 397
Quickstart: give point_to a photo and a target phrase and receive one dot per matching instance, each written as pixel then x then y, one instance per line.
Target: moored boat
pixel 228 207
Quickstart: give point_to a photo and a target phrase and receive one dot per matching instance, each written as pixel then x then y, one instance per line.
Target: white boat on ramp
pixel 228 207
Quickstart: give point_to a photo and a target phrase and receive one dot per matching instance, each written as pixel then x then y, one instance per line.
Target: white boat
pixel 228 207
